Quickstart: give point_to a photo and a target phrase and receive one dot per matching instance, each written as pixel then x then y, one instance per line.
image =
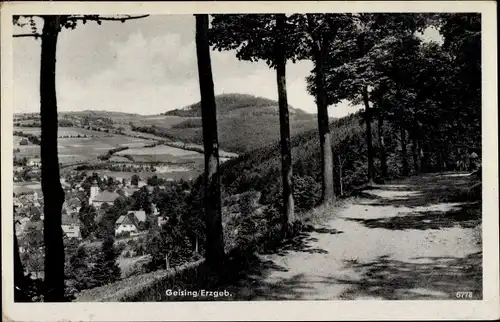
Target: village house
pixel 162 220
pixel 128 191
pixel 72 204
pixel 154 210
pixel 38 194
pixel 64 183
pixel 130 223
pixel 35 162
pixel 125 224
pixel 20 224
pixel 70 226
pixel 18 169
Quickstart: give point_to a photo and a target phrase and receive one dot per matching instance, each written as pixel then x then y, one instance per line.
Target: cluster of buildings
pixel 131 223
pixel 29 216
pixel 28 209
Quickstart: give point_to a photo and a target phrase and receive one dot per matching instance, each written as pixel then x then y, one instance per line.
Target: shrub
pixel 306 193
pixel 106 269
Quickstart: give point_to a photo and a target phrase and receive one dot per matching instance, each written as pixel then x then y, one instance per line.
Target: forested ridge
pixel 245 122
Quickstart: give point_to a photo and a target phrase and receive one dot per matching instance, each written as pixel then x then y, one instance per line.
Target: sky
pixel 147 66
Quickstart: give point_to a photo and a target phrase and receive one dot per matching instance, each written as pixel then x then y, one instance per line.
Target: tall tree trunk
pixel 368 120
pixel 286 153
pixel 423 158
pixel 53 194
pixel 383 156
pixel 19 278
pixel 414 152
pixel 328 193
pixel 440 160
pixel 212 198
pixel 444 158
pixel 404 153
pixel 340 177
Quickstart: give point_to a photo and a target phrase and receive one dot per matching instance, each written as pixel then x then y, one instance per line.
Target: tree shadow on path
pixel 434 201
pixel 421 278
pixel 299 243
pixel 246 275
pixel 420 191
pixel 464 216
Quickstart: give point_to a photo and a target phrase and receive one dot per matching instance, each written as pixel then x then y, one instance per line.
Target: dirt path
pixel 399 241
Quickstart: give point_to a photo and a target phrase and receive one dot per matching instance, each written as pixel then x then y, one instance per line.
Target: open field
pixel 62 131
pixel 159 149
pixel 79 149
pixel 30 150
pixel 120 159
pixel 167 158
pixel 165 154
pixel 20 188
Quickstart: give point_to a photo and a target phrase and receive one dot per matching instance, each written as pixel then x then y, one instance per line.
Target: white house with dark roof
pixel 130 223
pixel 126 224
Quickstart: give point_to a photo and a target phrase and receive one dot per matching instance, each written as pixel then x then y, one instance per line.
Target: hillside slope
pixel 245 123
pixel 260 169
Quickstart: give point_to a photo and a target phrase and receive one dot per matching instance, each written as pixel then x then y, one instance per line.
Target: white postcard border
pixel 488 308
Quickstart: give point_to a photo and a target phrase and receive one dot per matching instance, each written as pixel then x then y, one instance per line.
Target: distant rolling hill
pixel 98 113
pixel 245 122
pixel 231 103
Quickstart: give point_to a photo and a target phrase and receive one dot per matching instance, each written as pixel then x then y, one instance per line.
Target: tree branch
pixel 27 35
pixel 97 18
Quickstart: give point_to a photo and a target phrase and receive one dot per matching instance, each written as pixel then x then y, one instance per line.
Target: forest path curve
pixel 398 241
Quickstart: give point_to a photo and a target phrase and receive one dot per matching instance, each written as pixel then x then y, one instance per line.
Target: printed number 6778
pixel 464 295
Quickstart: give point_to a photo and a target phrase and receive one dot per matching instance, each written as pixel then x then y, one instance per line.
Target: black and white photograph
pixel 198 156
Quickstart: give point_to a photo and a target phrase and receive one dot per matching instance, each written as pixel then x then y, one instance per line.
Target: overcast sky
pixel 146 66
